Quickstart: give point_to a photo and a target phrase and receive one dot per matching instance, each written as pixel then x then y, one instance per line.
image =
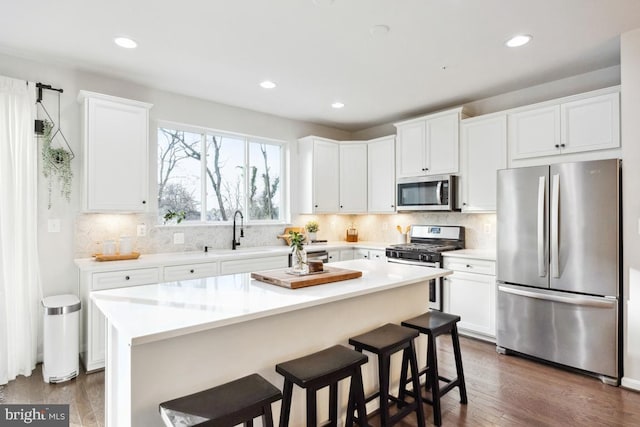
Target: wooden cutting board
pixel 281 278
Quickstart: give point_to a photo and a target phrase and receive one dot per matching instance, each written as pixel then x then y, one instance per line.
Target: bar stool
pixel 321 369
pixel 385 341
pixel 238 401
pixel 434 324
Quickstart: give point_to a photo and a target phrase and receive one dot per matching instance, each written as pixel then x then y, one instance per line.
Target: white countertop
pixel 154 312
pixel 154 260
pixel 484 254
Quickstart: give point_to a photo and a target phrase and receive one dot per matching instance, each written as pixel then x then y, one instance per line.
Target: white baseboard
pixel 630 383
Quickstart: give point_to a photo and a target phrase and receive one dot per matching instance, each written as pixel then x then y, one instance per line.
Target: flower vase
pixel 299 261
pixel 312 236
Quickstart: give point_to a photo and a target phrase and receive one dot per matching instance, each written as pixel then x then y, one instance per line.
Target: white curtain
pixel 20 289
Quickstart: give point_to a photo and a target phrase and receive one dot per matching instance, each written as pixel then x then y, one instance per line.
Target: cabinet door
pixel 484 152
pixel 534 133
pixel 326 177
pixel 591 124
pixel 353 177
pixel 381 186
pixel 472 297
pixel 410 150
pixel 190 271
pixel 442 144
pixel 334 256
pixel 377 255
pixel 116 156
pixel 253 264
pixel 360 254
pixel 346 254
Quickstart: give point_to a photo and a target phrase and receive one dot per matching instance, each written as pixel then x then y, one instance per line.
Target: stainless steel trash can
pixel 61 337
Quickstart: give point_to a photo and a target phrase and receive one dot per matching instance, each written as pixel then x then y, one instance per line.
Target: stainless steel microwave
pixel 427 193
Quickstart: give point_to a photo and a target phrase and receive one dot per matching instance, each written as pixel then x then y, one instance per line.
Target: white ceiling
pixel 322 51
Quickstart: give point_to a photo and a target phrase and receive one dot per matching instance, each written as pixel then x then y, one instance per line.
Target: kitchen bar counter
pixel 172 339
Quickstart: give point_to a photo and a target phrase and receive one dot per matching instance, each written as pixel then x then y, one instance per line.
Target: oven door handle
pixel 416 263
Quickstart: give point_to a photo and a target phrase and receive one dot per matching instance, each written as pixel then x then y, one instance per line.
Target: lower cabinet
pixel 92 348
pixel 189 271
pixel 371 254
pixel 470 292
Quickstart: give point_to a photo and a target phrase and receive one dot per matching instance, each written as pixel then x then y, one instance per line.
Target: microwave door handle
pixel 541 193
pixel 439 193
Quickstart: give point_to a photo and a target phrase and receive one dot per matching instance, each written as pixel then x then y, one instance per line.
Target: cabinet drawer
pixel 478 266
pixel 190 271
pixel 254 264
pixel 123 278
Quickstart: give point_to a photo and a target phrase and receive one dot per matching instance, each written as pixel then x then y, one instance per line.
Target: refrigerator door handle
pixel 439 193
pixel 573 300
pixel 555 222
pixel 542 271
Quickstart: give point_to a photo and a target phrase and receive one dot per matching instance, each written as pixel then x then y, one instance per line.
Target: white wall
pixel 630 110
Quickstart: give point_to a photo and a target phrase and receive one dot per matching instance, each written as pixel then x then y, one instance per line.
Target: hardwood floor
pixel 502 391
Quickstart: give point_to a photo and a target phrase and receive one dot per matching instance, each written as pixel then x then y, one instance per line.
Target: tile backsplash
pixel 92 229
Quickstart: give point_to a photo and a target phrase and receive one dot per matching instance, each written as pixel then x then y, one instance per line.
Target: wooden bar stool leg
pixel 413 361
pixel 333 405
pixel 403 378
pixel 267 416
pixel 312 414
pixel 359 398
pixel 248 423
pixel 435 385
pixel 383 377
pixel 427 382
pixel 286 404
pixel 458 357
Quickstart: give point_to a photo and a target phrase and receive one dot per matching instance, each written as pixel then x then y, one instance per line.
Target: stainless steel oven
pixel 427 193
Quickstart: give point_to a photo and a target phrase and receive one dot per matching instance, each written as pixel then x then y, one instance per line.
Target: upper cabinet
pixel 382 179
pixel 577 124
pixel 353 177
pixel 483 153
pixel 318 172
pixel 116 153
pixel 428 145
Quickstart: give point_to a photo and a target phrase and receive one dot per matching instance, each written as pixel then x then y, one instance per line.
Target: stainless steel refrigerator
pixel 558 264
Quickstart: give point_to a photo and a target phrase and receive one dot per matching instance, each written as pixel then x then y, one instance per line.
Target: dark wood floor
pixel 502 391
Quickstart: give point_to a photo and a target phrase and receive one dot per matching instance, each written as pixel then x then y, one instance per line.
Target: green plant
pixel 297 240
pixel 312 227
pixel 177 215
pixel 56 163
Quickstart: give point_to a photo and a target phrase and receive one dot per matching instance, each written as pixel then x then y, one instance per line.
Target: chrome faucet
pixel 235 243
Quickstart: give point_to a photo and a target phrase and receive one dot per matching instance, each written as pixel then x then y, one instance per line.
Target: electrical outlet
pixel 53 225
pixel 178 238
pixel 142 230
pixel 487 228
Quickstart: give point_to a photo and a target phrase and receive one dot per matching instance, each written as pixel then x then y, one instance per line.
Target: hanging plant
pixel 56 164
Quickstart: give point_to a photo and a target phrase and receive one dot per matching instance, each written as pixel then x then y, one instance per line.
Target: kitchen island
pixel 171 339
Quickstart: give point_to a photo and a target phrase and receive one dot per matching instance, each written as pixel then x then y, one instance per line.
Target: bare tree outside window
pixel 181 176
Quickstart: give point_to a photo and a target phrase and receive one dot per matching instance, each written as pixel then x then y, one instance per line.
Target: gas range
pixel 427 244
pixel 426 247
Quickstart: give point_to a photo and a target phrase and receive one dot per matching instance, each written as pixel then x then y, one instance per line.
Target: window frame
pixel 284 199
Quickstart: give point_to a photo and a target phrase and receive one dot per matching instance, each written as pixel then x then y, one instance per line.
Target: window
pixel 209 175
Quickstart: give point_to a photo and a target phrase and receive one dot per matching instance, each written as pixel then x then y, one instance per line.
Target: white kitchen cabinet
pixel 318 175
pixel 116 153
pixel 340 255
pixel 189 271
pixel 590 124
pixel 576 124
pixel 346 254
pixel 428 145
pixel 353 177
pixel 370 254
pixel 483 153
pixel 470 292
pixel 253 264
pixel 360 253
pixel 334 256
pixel 92 348
pixel 381 182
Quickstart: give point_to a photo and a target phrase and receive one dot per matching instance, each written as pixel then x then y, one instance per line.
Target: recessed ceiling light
pixel 519 40
pixel 267 84
pixel 125 42
pixel 379 30
pixel 337 105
